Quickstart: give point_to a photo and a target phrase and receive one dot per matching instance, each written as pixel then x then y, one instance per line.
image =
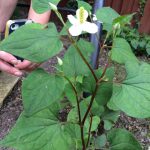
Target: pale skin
pixel 17 67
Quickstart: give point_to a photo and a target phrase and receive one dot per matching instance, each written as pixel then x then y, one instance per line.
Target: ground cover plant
pixel 95 97
pixel 140 43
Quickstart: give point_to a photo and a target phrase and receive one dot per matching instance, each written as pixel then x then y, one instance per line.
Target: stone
pixel 7 82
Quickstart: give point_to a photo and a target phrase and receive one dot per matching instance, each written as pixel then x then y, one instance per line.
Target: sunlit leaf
pixel 33 42
pixel 121 51
pixel 120 139
pixel 40 90
pixel 133 95
pixel 41 6
pixel 42 131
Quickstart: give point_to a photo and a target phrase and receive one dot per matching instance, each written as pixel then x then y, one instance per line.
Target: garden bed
pixel 13 107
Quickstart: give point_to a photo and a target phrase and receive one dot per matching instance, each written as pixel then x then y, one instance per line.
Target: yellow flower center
pixel 81 15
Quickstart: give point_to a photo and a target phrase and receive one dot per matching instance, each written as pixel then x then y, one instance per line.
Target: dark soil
pixel 10 111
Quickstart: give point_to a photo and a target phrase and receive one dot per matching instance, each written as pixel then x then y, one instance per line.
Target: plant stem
pixel 91 120
pixel 94 94
pixel 90 105
pixel 76 46
pixel 83 58
pixel 82 137
pixel 104 71
pixel 78 104
pixel 79 113
pixel 76 94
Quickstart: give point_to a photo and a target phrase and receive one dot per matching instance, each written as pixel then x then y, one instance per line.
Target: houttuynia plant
pixel 91 118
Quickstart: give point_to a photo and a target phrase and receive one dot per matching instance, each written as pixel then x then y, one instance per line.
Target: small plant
pixel 140 43
pixel 95 98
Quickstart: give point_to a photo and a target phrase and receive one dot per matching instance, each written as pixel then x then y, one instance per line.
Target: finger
pixel 9 69
pixel 32 67
pixel 8 58
pixel 23 65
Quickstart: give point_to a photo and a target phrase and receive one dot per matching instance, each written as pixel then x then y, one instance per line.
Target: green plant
pixel 89 123
pixel 140 43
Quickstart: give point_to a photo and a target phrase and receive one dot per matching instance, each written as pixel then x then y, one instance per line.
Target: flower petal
pixel 85 14
pixel 72 19
pixel 90 27
pixel 75 30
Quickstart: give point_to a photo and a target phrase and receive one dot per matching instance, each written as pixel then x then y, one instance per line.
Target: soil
pixel 10 111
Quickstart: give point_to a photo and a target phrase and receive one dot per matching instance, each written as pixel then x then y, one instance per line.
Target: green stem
pixel 60 17
pixel 82 137
pixel 90 105
pixel 103 45
pixel 78 105
pixel 103 74
pixel 83 58
pixel 94 94
pixel 91 120
pixel 79 112
pixel 75 45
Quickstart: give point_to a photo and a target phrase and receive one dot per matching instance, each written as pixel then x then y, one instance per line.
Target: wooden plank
pixel 108 3
pixel 145 21
pixel 117 5
pixel 7 82
pixel 135 9
pixel 135 6
pixel 127 6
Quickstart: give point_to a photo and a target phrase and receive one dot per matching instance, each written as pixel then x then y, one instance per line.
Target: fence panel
pixel 145 21
pixel 130 6
pixel 123 6
pixel 117 5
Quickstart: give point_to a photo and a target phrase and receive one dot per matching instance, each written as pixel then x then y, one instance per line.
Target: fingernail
pixel 19 61
pixel 15 62
pixel 18 73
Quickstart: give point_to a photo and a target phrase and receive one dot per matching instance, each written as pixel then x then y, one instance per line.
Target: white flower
pixel 80 23
pixel 53 7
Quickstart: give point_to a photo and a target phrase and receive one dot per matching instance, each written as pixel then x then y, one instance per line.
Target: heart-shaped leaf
pixel 42 131
pixel 33 42
pixel 40 90
pixel 133 95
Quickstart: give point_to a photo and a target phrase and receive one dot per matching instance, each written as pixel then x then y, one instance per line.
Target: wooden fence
pixel 130 6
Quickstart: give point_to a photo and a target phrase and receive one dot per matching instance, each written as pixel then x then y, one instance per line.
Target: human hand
pixel 10 64
pixel 27 65
pixel 7 62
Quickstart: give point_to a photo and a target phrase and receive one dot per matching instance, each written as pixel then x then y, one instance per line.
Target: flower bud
pixel 116 26
pixel 60 62
pixel 53 7
pixel 94 17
